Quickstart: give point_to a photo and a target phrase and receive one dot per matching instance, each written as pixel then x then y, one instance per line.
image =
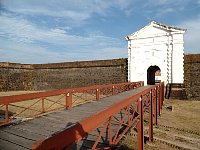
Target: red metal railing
pixel 131 111
pixel 33 104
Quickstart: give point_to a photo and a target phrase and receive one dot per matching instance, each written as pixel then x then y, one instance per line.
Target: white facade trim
pixel 156 45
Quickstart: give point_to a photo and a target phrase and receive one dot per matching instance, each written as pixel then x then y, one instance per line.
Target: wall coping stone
pixel 192 58
pixel 77 64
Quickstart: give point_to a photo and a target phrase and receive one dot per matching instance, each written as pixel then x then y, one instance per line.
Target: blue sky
pixel 46 31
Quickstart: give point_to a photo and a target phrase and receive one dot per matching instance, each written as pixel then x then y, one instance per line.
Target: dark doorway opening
pixel 151 74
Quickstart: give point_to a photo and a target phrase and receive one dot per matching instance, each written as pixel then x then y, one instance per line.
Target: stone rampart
pixel 192 76
pixel 15 76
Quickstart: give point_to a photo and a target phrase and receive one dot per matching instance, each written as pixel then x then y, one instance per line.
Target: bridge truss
pixel 112 123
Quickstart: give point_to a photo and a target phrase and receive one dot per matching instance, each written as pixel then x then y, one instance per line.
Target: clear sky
pixel 45 31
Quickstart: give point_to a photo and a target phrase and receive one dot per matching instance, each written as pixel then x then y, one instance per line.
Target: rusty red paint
pixel 155 108
pixel 82 128
pixel 140 125
pixel 42 96
pixel 30 96
pixel 68 100
pixel 100 135
pixel 97 94
pixel 151 118
pixel 113 90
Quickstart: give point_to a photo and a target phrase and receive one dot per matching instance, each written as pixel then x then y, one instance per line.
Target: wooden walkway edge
pixel 23 135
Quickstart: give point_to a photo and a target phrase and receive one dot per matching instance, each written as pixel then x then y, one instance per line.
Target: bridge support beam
pixel 68 100
pixel 151 118
pixel 97 94
pixel 113 90
pixel 155 113
pixel 140 136
pixel 159 99
pixel 115 120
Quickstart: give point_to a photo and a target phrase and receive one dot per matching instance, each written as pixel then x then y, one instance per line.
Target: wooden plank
pixel 41 127
pixel 83 113
pixel 6 145
pixel 56 119
pixel 49 126
pixel 65 118
pixel 90 107
pixel 50 121
pixel 34 129
pixel 22 133
pixel 23 142
pixel 71 116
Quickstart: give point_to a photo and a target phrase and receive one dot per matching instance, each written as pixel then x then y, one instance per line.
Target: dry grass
pixel 184 120
pixel 33 107
pixel 130 143
pixel 184 114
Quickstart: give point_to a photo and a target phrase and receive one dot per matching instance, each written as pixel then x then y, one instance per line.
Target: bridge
pixel 94 117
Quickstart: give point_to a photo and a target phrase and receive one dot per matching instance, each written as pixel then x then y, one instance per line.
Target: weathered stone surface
pixel 192 76
pixel 15 76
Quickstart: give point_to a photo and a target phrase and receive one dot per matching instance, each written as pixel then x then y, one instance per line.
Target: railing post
pixel 97 94
pixel 113 90
pixel 140 136
pixel 159 99
pixel 160 89
pixel 163 86
pixel 151 118
pixel 68 100
pixel 6 114
pixel 155 108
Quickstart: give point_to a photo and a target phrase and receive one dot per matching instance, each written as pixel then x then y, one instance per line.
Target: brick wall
pixel 192 76
pixel 15 76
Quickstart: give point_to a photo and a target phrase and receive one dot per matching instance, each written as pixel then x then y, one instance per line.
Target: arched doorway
pixel 152 72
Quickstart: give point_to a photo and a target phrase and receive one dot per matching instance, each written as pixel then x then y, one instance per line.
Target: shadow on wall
pixel 151 74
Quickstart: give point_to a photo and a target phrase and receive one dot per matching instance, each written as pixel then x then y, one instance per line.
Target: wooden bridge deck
pixel 23 135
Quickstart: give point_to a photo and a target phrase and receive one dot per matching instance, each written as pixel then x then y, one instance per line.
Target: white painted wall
pixel 152 46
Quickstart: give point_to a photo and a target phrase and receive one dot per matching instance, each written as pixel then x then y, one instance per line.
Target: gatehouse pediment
pixel 155 29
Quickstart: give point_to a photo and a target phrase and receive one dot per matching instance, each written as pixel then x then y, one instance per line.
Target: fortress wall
pixel 15 76
pixel 192 76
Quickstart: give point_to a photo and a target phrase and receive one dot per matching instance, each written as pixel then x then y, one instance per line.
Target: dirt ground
pixel 178 128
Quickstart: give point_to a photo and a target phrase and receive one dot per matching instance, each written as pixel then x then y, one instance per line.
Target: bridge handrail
pixel 41 97
pixel 29 96
pixel 78 131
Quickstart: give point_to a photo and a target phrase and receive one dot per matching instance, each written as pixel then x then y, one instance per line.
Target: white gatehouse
pixel 155 53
